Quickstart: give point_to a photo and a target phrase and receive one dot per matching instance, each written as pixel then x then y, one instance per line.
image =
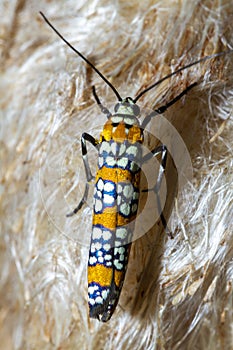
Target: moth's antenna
pixel 203 59
pixel 84 58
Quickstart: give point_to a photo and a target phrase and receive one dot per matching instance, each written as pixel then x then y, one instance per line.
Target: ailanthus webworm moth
pixel 117 188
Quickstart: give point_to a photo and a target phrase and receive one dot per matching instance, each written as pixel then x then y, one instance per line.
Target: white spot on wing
pixel 121 233
pixel 108 199
pixel 125 209
pixel 100 259
pixel 122 162
pixel 92 260
pixel 119 188
pixel 135 195
pixel 114 148
pixel 128 191
pixel 92 289
pixel 105 147
pixel 106 235
pixel 91 301
pixel 106 246
pixel 111 161
pixel 132 150
pixel 108 187
pixel 100 184
pixel 118 265
pixel 98 205
pixel 97 232
pixel 99 300
pixel 108 257
pixel 104 294
pixel 122 149
pixel 119 199
pixel 122 258
pixel 120 250
pixel 96 246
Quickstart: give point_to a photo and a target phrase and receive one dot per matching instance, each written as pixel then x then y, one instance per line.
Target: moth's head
pixel 127 107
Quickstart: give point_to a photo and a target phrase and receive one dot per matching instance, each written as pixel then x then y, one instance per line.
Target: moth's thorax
pixel 121 128
pixel 123 124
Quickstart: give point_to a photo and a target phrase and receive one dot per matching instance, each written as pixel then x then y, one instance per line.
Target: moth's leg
pixel 84 139
pixel 154 153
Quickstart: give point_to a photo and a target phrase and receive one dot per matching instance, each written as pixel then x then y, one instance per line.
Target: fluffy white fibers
pixel 177 292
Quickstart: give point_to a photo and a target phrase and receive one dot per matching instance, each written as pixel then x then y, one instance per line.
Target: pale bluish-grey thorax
pixel 126 111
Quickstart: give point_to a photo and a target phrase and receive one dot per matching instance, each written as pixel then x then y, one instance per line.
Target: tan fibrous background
pixel 177 293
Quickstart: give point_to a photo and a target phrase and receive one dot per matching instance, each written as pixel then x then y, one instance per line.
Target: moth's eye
pixel 116 107
pixel 136 110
